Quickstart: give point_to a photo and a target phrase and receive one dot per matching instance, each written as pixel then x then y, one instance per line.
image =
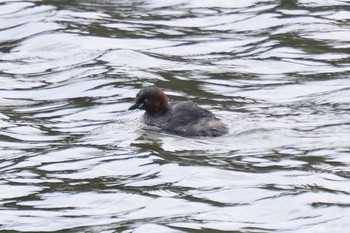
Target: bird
pixel 183 118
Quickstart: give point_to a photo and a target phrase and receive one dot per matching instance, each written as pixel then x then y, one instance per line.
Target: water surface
pixel 73 159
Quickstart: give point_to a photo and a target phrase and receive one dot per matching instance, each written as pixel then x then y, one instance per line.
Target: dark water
pixel 276 72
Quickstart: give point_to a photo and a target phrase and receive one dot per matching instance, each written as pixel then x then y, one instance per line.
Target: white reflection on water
pixel 72 157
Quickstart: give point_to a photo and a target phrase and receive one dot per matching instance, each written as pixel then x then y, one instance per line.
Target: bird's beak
pixel 136 105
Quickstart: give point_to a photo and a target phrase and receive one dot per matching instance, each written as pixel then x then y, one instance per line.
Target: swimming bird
pixel 180 117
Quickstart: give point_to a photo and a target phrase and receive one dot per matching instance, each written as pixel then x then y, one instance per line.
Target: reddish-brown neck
pixel 158 103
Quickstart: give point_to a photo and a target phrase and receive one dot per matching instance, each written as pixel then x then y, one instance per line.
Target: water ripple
pixel 74 159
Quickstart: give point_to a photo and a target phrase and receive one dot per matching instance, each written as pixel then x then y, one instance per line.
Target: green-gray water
pixel 72 159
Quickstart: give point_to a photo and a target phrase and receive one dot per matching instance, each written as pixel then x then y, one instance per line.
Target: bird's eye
pixel 145 100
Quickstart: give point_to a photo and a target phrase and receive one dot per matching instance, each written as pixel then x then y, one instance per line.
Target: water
pixel 72 158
